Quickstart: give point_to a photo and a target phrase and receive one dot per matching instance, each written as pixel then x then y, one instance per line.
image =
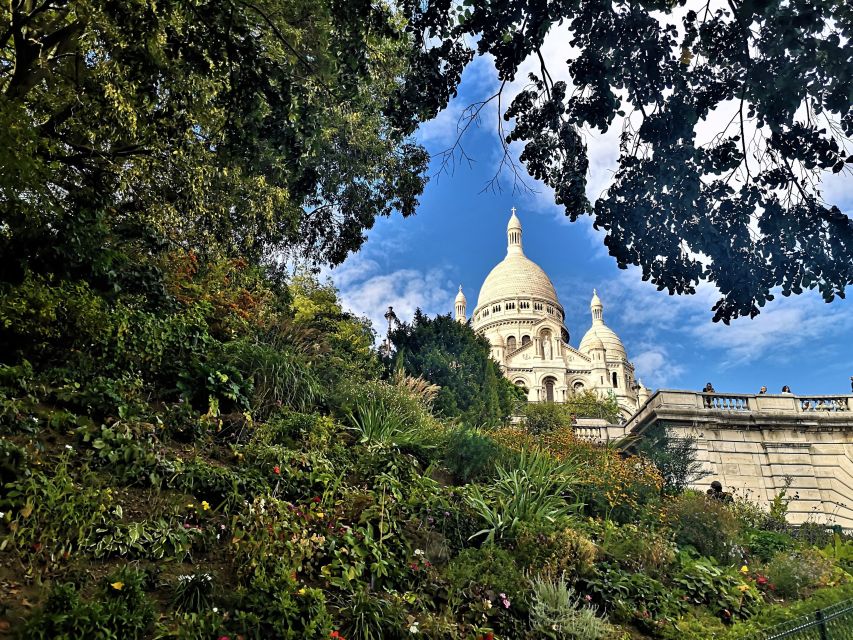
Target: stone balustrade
pixel 758 444
pixel 788 405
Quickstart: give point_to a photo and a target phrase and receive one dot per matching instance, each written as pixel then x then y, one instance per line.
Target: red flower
pixel 315 500
pixel 276 470
pixel 761 580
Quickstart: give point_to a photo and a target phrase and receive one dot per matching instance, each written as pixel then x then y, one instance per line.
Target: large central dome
pixel 516 276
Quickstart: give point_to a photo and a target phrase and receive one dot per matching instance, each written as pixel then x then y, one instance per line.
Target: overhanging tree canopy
pixel 243 126
pixel 744 210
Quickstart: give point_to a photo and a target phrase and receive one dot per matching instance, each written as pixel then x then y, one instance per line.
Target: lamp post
pixel 391 317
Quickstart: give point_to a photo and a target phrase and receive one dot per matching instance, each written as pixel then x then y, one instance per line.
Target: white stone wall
pixel 753 444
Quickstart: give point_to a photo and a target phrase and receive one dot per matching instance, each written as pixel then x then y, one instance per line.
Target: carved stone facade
pixel 519 313
pixel 754 444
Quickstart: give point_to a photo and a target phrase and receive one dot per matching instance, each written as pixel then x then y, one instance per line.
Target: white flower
pixel 419 552
pixel 413 628
pixel 69 447
pixel 215 610
pixel 2 514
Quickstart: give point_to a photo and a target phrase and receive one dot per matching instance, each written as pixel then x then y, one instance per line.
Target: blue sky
pixel 459 234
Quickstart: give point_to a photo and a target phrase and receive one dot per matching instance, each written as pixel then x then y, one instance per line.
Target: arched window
pixel 524 340
pixel 578 387
pixel 615 380
pixel 510 343
pixel 549 389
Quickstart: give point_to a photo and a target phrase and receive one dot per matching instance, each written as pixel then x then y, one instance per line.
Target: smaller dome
pixel 601 333
pixel 596 301
pixel 514 222
pixel 460 297
pixel 594 343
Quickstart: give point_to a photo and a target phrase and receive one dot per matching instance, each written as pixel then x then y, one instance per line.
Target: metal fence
pixel 832 623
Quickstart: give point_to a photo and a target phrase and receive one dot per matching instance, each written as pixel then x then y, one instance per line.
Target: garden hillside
pixel 234 460
pixel 197 445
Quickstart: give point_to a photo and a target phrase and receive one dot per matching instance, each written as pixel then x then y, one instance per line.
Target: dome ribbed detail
pixel 516 276
pixel 601 332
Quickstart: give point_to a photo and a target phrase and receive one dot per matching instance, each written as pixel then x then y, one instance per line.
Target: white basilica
pixel 520 315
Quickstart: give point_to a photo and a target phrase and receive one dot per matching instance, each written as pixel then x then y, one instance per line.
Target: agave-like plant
pixel 536 491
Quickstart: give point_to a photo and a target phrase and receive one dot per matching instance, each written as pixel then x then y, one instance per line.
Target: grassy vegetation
pixel 239 464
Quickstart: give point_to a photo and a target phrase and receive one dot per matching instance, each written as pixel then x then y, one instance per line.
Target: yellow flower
pixel 205 506
pixel 744 569
pixel 744 587
pixel 301 592
pixel 190 506
pixel 118 586
pixel 320 514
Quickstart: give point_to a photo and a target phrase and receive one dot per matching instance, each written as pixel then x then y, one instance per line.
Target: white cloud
pixel 657 369
pixel 367 291
pixel 783 330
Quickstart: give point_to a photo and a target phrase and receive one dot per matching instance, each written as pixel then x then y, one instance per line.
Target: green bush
pixel 553 554
pixel 477 574
pixel 793 574
pixel 471 455
pixel 637 550
pixel 720 589
pixel 544 417
pixel 557 612
pixel 193 593
pixel 766 544
pixel 118 611
pixel 537 492
pixel 705 524
pixel 54 515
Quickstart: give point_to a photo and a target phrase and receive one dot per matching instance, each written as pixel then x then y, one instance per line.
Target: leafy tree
pixel 542 417
pixel 448 353
pixel 675 457
pixel 235 126
pixel 347 341
pixel 742 207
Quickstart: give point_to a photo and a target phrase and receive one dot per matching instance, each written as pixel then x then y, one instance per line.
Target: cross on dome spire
pixel 513 235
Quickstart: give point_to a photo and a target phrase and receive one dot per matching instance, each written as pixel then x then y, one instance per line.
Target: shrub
pixel 766 544
pixel 280 376
pixel 705 524
pixel 471 454
pixel 637 550
pixel 367 616
pixel 633 597
pixel 477 574
pixel 193 592
pixel 675 458
pixel 536 492
pixel 555 553
pixel 384 414
pixel 544 417
pixel 722 590
pixel 793 574
pixel 54 516
pixel 118 611
pixel 556 612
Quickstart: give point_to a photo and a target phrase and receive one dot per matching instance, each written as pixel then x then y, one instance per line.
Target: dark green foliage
pixel 471 454
pixel 119 610
pixel 749 201
pixel 486 572
pixel 705 524
pixel 763 545
pixel 675 458
pixel 451 355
